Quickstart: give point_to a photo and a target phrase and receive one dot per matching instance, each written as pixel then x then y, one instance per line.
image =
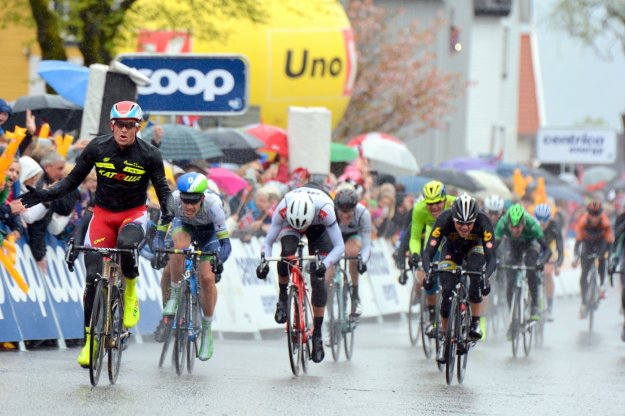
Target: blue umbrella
pixel 68 79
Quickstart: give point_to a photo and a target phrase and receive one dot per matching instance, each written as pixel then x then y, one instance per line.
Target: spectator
pixel 386 202
pixel 254 218
pixel 11 208
pixel 197 165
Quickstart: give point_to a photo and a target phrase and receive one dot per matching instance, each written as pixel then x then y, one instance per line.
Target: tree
pixel 592 21
pixel 99 27
pixel 397 83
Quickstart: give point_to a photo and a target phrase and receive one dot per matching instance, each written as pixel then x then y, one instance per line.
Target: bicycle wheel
pixel 452 332
pixel 117 333
pixel 194 324
pixel 182 328
pixel 96 329
pixel 464 321
pixel 493 308
pixel 515 322
pixel 169 324
pixel 414 314
pixel 293 333
pixel 335 323
pixel 425 338
pixel 308 326
pixel 349 322
pixel 439 330
pixel 527 325
pixel 592 296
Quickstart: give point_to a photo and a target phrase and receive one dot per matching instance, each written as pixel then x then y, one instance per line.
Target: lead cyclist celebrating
pixel 305 211
pixel 124 168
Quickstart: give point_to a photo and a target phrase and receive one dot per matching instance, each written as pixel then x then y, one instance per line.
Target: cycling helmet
pixel 300 211
pixel 464 209
pixel 346 199
pixel 192 186
pixel 493 203
pixel 542 212
pixel 433 192
pixel 126 109
pixel 594 207
pixel 516 215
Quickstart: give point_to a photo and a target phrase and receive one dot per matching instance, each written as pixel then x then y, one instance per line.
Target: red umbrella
pixel 274 138
pixel 360 138
pixel 227 181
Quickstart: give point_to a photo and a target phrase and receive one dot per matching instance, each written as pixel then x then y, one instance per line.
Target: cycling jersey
pixel 211 213
pixel 584 231
pixel 553 235
pixel 531 230
pixel 480 235
pixel 324 216
pixel 359 225
pixel 422 219
pixel 123 175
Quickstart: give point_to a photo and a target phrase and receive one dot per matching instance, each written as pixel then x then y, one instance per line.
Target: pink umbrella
pixel 227 181
pixel 360 138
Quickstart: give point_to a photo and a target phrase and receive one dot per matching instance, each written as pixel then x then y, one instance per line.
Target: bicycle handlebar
pixel 187 252
pixel 72 249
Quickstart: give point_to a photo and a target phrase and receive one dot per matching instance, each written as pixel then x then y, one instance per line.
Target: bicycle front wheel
pixel 349 321
pixel 97 331
pixel 452 338
pixel 169 324
pixel 336 332
pixel 464 323
pixel 117 333
pixel 439 331
pixel 515 322
pixel 307 313
pixel 195 324
pixel 414 314
pixel 592 296
pixel 293 330
pixel 425 338
pixel 528 325
pixel 182 329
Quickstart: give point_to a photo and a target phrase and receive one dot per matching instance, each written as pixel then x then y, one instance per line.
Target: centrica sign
pixel 576 145
pixel 192 83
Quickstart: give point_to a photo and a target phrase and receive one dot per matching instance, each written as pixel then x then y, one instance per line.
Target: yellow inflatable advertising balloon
pixel 302 55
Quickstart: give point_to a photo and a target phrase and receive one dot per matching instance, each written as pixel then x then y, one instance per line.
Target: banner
pixel 576 145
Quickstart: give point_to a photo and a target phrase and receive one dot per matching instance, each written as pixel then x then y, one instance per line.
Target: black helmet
pixel 346 199
pixel 464 209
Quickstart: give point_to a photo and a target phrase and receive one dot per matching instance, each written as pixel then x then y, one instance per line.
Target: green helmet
pixel 433 192
pixel 516 215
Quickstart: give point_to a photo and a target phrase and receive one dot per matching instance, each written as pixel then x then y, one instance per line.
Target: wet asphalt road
pixel 572 374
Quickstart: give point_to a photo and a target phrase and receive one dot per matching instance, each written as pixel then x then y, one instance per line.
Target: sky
pixel 577 83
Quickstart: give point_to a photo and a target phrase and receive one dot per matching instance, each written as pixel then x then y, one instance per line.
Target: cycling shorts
pixel 105 225
pixel 204 236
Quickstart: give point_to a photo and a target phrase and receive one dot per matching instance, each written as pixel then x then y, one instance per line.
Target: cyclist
pixel 355 224
pixel 435 201
pixel 527 243
pixel 553 235
pixel 594 231
pixel 468 236
pixel 124 167
pixel 615 258
pixel 305 211
pixel 199 217
pixel 493 206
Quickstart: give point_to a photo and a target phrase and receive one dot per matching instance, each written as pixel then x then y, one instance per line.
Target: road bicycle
pixel 593 295
pixel 108 334
pixel 520 310
pixel 299 324
pixel 185 328
pixel 341 321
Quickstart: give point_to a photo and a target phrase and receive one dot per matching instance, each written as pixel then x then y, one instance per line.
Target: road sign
pixel 198 84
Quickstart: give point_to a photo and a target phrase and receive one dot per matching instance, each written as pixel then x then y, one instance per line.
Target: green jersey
pixel 531 231
pixel 422 219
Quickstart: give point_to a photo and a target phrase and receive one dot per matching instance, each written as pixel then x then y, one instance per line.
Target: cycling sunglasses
pixel 128 124
pixel 464 223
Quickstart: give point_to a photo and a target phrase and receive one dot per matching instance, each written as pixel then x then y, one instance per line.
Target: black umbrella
pixel 181 142
pixel 55 110
pixel 453 178
pixel 238 146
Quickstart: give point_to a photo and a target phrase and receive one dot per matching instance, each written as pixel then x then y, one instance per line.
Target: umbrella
pixel 491 183
pixel 597 174
pixel 183 143
pixel 414 184
pixel 467 163
pixel 374 135
pixel 386 156
pixel 453 178
pixel 342 153
pixel 47 108
pixel 68 79
pixel 236 145
pixel 274 138
pixel 227 181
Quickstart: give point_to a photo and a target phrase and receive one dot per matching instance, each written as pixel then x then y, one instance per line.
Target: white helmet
pixel 493 203
pixel 300 211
